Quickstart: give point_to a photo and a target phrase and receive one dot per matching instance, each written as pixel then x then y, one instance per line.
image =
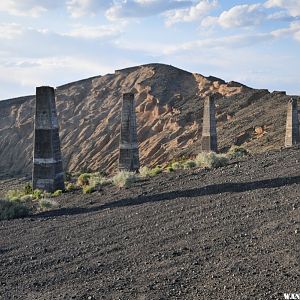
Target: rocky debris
pixel 227 233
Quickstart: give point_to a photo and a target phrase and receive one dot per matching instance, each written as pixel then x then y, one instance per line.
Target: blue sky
pixel 52 42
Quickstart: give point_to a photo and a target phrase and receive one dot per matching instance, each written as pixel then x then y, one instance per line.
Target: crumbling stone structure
pixel 292 136
pixel 47 172
pixel 209 131
pixel 128 149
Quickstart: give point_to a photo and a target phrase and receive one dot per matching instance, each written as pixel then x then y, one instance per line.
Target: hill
pixel 169 105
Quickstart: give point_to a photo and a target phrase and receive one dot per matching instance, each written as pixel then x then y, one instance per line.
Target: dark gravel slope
pixel 229 233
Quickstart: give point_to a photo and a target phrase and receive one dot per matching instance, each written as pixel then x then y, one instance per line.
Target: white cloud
pixel 293 30
pixel 31 42
pixel 32 8
pixel 10 30
pixel 31 57
pixel 227 42
pixel 192 13
pixel 94 32
pixel 80 8
pixel 191 48
pixel 238 16
pixel 143 8
pixel 280 16
pixel 43 71
pixel 292 6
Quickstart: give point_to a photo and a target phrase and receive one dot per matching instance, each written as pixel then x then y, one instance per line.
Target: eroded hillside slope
pixel 169 109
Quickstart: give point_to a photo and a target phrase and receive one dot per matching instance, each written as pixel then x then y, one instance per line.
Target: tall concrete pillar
pixel 129 150
pixel 209 131
pixel 292 136
pixel 47 172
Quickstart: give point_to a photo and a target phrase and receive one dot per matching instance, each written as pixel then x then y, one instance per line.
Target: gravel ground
pixel 228 233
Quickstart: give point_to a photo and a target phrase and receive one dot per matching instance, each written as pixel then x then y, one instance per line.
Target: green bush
pixel 144 171
pixel 26 198
pixel 98 180
pixel 176 165
pixel 170 169
pixel 124 179
pixel 46 204
pixel 189 164
pixel 211 160
pixel 92 179
pixel 12 210
pixel 14 195
pixel 28 189
pixel 155 171
pixel 84 179
pixel 21 195
pixel 70 187
pixel 37 194
pixel 88 189
pixel 237 151
pixel 57 193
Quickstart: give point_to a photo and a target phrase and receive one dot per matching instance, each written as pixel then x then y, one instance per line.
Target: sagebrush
pixel 237 151
pixel 124 179
pixel 211 160
pixel 12 210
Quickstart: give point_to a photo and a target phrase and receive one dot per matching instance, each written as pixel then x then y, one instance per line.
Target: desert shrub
pixel 211 160
pixel 83 179
pixel 92 179
pixel 124 179
pixel 37 194
pixel 26 198
pixel 21 195
pixel 57 193
pixel 12 210
pixel 155 171
pixel 237 151
pixel 46 204
pixel 144 171
pixel 176 165
pixel 170 169
pixel 189 164
pixel 70 187
pixel 28 189
pixel 88 189
pixel 98 180
pixel 14 195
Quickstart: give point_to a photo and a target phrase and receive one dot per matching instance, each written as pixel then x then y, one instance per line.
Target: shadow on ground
pixel 213 189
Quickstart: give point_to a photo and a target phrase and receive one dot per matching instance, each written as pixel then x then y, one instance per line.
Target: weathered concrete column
pixel 209 131
pixel 129 150
pixel 292 136
pixel 47 172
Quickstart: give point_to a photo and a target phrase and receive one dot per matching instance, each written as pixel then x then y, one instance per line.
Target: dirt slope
pixel 169 105
pixel 230 233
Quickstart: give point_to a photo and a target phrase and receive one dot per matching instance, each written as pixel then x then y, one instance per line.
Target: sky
pixel 53 42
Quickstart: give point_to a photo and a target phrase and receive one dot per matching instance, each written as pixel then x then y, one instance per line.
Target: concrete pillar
pixel 292 136
pixel 209 131
pixel 129 150
pixel 47 172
